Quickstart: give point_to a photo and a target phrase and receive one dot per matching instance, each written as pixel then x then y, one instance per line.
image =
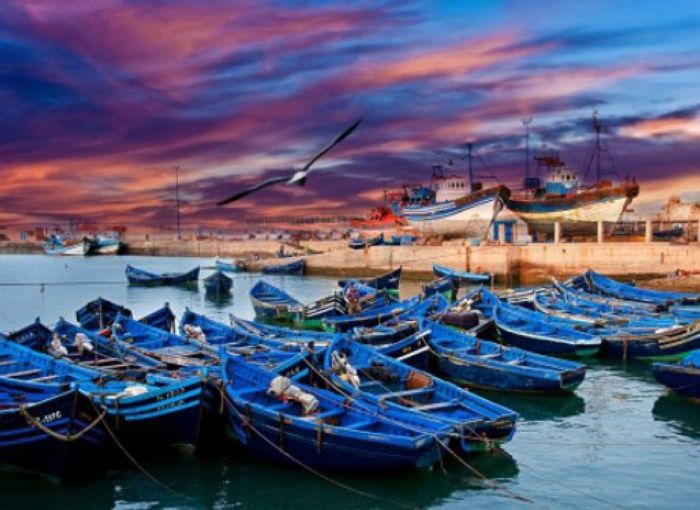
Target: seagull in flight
pixel 298 177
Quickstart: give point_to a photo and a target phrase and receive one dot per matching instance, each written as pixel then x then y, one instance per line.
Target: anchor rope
pixel 308 468
pixel 136 463
pixel 67 438
pixel 494 485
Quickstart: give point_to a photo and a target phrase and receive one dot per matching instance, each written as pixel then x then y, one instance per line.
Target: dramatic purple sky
pixel 101 98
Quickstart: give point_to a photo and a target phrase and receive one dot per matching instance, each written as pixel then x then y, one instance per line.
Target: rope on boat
pixel 67 438
pixel 494 485
pixel 136 463
pixel 249 426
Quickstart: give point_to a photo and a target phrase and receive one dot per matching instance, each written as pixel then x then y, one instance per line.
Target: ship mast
pixel 526 122
pixel 597 127
pixel 471 170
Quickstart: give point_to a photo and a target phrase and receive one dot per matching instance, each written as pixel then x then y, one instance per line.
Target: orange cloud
pixel 455 61
pixel 677 127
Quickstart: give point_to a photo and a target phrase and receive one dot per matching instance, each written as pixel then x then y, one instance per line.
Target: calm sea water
pixel 620 442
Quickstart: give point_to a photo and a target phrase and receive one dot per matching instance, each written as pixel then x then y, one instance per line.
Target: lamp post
pixel 526 122
pixel 177 197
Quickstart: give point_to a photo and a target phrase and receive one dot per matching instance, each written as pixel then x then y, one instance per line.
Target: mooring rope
pixel 136 463
pixel 308 468
pixel 494 485
pixel 68 438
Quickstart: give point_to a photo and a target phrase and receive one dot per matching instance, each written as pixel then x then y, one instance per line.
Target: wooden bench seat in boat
pixel 45 378
pixel 23 373
pixel 405 393
pixel 330 414
pixel 435 405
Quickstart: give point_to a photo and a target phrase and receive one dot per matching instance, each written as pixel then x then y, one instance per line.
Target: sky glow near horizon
pixel 101 99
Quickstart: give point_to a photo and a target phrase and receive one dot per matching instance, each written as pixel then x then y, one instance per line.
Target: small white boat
pixel 103 245
pixel 56 246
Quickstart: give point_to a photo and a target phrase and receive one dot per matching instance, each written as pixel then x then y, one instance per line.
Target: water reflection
pixel 539 407
pixel 681 414
pixel 236 479
pixel 219 299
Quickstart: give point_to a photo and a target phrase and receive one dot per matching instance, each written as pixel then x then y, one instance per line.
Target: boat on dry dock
pixel 563 198
pixel 452 204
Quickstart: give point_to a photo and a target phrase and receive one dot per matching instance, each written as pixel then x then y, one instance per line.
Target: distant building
pixel 677 210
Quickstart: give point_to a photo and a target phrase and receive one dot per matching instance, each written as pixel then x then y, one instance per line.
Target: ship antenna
pixel 526 122
pixel 471 171
pixel 597 127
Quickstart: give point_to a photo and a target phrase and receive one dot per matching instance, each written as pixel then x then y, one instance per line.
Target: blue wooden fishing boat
pixel 50 432
pixel 218 284
pixel 683 377
pixel 99 313
pixel 81 346
pixel 138 276
pixel 470 361
pixel 369 317
pixel 391 384
pixel 321 430
pixel 388 282
pixel 600 284
pixel 275 306
pixel 163 318
pixel 380 314
pixel 551 303
pixel 361 243
pixel 230 266
pixel 534 331
pixel 272 304
pixel 460 276
pixel 614 306
pixel 626 336
pixel 168 348
pixel 445 286
pixel 296 267
pixel 155 411
pixel 243 331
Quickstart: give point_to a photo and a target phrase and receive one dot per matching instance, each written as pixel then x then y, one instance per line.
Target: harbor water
pixel 621 441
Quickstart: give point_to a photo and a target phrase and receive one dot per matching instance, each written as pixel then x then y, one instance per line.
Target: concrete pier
pixel 511 264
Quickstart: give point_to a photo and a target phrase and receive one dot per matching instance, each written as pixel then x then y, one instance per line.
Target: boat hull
pixel 27 447
pixel 579 212
pixel 544 344
pixel 298 267
pixel 679 378
pixel 74 250
pixel 264 437
pixel 480 375
pixel 137 276
pixel 652 348
pixel 107 249
pixel 469 218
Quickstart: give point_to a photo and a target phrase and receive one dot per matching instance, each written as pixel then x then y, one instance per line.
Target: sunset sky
pixel 100 99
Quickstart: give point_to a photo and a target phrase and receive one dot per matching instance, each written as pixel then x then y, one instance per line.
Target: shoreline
pixel 510 264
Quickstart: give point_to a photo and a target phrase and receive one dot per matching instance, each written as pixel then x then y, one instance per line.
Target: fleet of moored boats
pixel 357 381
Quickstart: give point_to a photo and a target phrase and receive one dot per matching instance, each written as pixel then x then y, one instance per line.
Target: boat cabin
pixel 450 187
pixel 559 178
